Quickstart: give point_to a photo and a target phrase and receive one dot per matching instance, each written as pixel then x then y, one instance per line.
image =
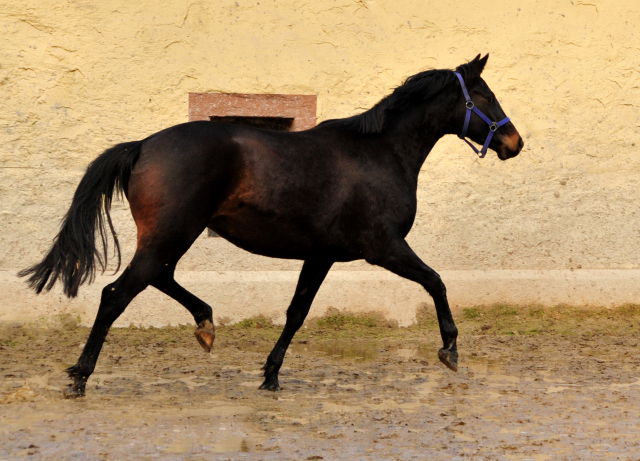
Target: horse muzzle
pixel 510 145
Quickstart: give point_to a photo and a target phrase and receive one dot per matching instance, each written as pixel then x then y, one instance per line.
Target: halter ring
pixel 493 126
pixel 470 105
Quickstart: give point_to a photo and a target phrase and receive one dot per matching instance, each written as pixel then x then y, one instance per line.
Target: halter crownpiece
pixel 493 126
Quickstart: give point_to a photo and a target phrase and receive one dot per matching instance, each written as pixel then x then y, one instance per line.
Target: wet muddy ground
pixel 535 386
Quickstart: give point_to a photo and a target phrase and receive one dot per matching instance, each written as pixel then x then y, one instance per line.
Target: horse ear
pixel 475 67
pixel 483 62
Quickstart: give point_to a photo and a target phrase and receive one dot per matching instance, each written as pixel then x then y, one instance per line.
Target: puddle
pixel 220 410
pixel 484 365
pixel 232 443
pixel 490 368
pixel 362 351
pixel 339 350
pixel 552 389
pixel 535 457
pixel 179 446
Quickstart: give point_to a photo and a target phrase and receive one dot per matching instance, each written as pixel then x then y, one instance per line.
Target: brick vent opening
pixel 270 123
pixel 282 112
pixel 300 108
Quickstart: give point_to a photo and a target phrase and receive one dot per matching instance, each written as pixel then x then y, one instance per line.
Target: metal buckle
pixel 493 126
pixel 470 105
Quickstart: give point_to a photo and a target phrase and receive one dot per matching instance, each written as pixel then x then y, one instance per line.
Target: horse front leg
pixel 311 277
pixel 400 259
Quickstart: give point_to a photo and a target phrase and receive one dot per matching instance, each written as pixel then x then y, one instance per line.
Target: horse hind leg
pixel 144 268
pixel 201 311
pixel 173 227
pixel 170 211
pixel 159 248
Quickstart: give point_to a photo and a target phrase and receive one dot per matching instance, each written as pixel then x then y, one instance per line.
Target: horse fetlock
pixel 271 382
pixel 270 367
pixel 449 334
pixel 79 373
pixel 206 334
pixel 79 377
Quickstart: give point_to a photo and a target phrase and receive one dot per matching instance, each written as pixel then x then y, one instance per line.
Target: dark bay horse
pixel 341 191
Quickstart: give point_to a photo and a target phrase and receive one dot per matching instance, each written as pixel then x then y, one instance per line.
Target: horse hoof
pixel 449 358
pixel 72 392
pixel 270 386
pixel 205 334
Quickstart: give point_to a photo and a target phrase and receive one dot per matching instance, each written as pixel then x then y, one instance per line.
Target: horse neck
pixel 415 132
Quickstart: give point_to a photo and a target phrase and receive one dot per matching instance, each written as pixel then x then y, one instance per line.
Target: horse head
pixel 479 115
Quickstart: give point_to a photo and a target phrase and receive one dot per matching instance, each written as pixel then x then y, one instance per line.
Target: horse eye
pixel 490 99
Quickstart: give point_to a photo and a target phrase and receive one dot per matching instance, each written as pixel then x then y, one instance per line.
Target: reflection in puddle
pixel 479 364
pixel 232 443
pixel 528 457
pixel 341 350
pixel 363 351
pixel 490 369
pixel 552 389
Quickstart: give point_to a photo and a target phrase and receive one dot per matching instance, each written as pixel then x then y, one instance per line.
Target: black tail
pixel 73 254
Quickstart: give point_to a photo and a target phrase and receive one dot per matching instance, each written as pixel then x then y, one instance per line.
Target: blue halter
pixel 493 126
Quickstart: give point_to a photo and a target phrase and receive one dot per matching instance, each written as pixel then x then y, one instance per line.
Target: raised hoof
pixel 72 392
pixel 449 358
pixel 270 386
pixel 206 334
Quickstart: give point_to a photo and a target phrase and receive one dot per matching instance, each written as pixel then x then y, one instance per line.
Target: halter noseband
pixel 493 126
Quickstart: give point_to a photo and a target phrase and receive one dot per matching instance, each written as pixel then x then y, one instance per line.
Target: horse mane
pixel 418 88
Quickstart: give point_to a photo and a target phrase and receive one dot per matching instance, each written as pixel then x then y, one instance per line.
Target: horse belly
pixel 264 233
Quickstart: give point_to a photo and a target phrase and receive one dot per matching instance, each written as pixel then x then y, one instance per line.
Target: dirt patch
pixel 533 383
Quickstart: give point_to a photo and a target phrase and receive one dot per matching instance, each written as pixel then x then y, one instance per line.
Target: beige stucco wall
pixel 79 76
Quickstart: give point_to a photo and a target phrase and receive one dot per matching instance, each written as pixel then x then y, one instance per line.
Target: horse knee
pixel 296 316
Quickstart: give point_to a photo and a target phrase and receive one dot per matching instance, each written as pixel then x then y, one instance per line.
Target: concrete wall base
pixel 235 295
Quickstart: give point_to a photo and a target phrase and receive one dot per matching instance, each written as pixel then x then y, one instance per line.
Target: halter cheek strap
pixel 493 126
